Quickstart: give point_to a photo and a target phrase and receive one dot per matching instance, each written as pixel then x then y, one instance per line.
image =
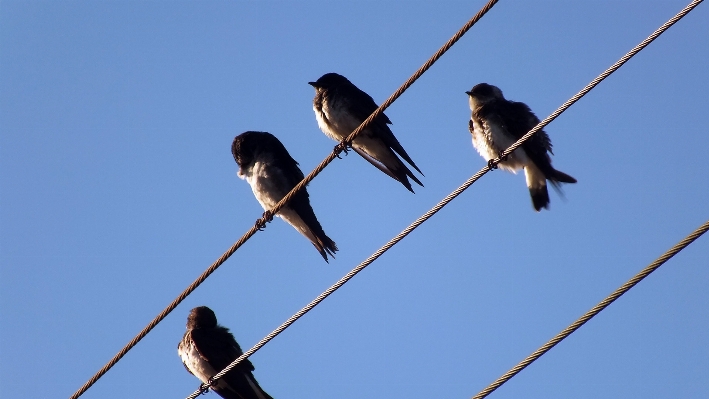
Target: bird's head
pixel 201 317
pixel 328 80
pixel 483 93
pixel 245 146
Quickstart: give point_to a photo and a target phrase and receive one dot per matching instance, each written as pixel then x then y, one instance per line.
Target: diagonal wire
pixel 204 387
pixel 599 79
pixel 594 311
pixel 491 165
pixel 268 215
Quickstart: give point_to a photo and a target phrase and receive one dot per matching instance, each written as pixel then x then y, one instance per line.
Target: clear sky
pixel 118 188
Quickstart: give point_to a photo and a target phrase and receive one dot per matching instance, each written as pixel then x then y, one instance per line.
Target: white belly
pixel 198 366
pixel 340 125
pixel 264 184
pixel 490 140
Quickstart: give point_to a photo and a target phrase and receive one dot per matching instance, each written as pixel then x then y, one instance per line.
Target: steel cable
pixel 594 311
pixel 268 215
pixel 493 164
pixel 599 79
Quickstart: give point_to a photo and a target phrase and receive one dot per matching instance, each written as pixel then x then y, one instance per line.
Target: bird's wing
pixel 361 105
pixel 518 120
pixel 286 169
pixel 219 348
pixel 283 161
pixel 374 162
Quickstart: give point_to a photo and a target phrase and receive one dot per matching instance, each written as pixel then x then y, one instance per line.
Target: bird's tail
pixel 240 384
pixel 537 184
pixel 540 197
pixel 394 168
pixel 558 176
pixel 304 220
pixel 257 391
pixel 325 245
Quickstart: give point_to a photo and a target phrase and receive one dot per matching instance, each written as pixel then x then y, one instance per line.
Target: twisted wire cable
pixel 599 79
pixel 491 165
pixel 594 311
pixel 268 215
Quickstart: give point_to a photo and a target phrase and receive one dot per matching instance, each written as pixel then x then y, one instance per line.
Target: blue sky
pixel 118 188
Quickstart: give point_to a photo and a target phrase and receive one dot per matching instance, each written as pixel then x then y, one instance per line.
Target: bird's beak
pixel 315 85
pixel 470 93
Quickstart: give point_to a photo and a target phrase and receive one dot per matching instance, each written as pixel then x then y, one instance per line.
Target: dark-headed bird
pixel 496 124
pixel 271 172
pixel 208 348
pixel 340 107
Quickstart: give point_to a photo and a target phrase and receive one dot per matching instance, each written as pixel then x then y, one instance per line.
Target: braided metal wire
pixel 348 140
pixel 598 80
pixel 447 199
pixel 166 311
pixel 268 215
pixel 594 311
pixel 346 278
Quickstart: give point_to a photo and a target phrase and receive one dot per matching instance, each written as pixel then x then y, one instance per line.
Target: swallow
pixel 208 348
pixel 272 173
pixel 340 107
pixel 496 124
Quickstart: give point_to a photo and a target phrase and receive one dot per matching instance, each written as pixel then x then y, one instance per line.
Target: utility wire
pixel 598 80
pixel 491 165
pixel 596 309
pixel 268 215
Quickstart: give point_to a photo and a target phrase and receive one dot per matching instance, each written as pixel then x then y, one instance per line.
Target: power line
pixel 491 165
pixel 599 79
pixel 268 215
pixel 594 311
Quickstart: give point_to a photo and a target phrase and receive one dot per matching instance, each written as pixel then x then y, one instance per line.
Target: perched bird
pixel 340 107
pixel 497 123
pixel 208 348
pixel 271 172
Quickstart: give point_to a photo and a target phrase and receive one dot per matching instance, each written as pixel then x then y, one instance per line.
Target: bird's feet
pixel 492 164
pixel 204 388
pixel 266 218
pixel 341 147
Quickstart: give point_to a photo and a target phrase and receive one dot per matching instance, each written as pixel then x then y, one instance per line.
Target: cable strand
pixel 261 223
pixel 630 54
pixel 347 141
pixel 447 199
pixel 594 311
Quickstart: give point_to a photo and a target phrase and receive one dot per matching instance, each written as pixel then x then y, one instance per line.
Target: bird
pixel 208 348
pixel 496 124
pixel 272 173
pixel 340 107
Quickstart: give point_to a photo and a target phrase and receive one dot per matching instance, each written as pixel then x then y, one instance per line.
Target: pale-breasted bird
pixel 497 123
pixel 208 348
pixel 340 107
pixel 271 172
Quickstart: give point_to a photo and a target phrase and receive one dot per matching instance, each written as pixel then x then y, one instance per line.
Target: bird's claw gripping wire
pixel 204 387
pixel 341 147
pixel 492 164
pixel 266 218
